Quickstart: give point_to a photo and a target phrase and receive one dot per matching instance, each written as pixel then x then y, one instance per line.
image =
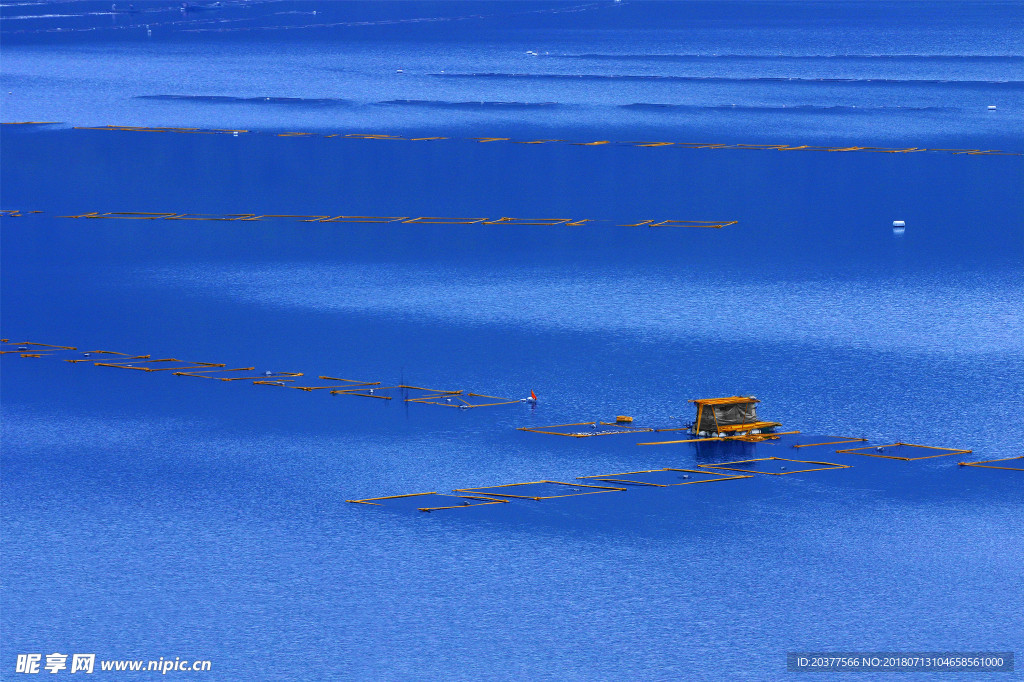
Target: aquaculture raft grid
pixel 988 463
pixel 662 476
pixel 726 466
pixel 945 452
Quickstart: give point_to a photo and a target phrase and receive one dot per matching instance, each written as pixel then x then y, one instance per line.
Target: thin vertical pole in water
pixel 405 391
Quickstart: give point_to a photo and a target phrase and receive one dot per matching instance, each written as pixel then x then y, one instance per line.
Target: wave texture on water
pixel 661 57
pixel 224 99
pixel 920 316
pixel 1011 84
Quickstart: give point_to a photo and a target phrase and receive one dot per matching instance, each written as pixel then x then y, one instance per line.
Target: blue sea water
pixel 148 515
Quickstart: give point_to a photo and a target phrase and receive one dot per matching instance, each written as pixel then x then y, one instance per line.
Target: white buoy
pixel 898 223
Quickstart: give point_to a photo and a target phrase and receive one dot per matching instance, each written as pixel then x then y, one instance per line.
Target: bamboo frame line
pixel 33 343
pixel 701 440
pixel 31 352
pixel 947 451
pixel 276 376
pixel 354 382
pixel 369 500
pixel 198 373
pixel 835 442
pixel 601 489
pixel 367 390
pixel 299 388
pixel 194 366
pixel 210 370
pixel 361 395
pixel 610 477
pixel 829 466
pixel 123 356
pixel 429 390
pixel 482 500
pixel 619 429
pixel 463 404
pixel 350 384
pixel 124 364
pixel 555 426
pixel 983 464
pixel 631 143
pixel 486 501
pixel 435 398
pixel 199 366
pixel 406 220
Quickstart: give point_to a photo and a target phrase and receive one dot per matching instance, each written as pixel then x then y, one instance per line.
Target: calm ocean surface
pixel 148 515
